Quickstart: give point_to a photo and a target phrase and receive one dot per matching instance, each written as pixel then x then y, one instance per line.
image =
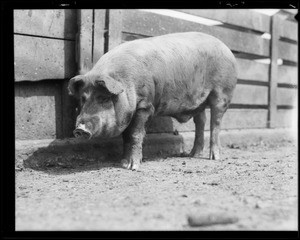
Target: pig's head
pixel 105 110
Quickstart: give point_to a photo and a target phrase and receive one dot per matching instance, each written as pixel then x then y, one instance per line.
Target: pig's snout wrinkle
pixel 81 131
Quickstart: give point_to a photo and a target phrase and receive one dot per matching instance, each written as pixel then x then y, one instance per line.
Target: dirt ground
pixel 254 186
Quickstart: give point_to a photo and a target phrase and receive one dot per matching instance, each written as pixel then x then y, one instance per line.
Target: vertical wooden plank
pixel 99 29
pixel 115 28
pixel 69 105
pixel 84 41
pixel 84 51
pixel 275 30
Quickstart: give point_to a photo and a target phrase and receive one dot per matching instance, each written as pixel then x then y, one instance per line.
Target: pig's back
pixel 178 69
pixel 172 57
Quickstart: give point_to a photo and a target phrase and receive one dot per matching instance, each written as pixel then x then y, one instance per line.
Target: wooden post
pixel 85 40
pixel 275 25
pixel 99 26
pixel 83 49
pixel 115 28
pixel 69 113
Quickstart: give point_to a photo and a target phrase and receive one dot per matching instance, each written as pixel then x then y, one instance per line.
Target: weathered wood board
pixel 289 30
pixel 90 42
pixel 288 51
pixel 238 17
pixel 273 71
pixel 55 23
pixel 245 118
pixel 286 118
pixel 251 70
pixel 115 27
pixel 287 74
pixel 99 28
pixel 249 94
pixel 43 58
pixel 85 40
pixel 151 24
pixel 286 96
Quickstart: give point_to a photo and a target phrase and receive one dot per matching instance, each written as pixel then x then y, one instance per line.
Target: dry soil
pixel 256 185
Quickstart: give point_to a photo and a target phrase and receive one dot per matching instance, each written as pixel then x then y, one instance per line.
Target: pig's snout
pixel 82 131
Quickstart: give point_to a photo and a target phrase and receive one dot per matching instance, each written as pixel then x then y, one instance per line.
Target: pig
pixel 176 75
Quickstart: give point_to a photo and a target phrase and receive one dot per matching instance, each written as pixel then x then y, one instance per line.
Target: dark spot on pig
pixel 202 94
pixel 227 90
pixel 30 13
pixel 189 98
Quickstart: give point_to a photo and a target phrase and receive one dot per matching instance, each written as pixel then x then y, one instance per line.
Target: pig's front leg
pixel 133 138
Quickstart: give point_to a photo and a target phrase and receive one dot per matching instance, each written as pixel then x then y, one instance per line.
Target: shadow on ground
pixel 63 157
pixel 58 158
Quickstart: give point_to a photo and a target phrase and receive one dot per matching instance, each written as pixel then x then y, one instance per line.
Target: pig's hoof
pixel 135 167
pixel 184 154
pixel 214 156
pixel 125 163
pixel 195 154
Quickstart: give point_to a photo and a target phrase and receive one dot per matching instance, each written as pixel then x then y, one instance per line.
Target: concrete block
pixel 38 112
pixel 43 58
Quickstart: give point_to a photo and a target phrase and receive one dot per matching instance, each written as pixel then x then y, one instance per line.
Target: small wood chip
pixel 210 219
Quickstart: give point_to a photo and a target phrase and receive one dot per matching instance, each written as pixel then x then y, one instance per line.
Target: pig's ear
pixel 75 84
pixel 111 85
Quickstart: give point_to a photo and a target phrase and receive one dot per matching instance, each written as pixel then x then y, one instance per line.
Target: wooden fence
pixel 265 94
pixel 44 49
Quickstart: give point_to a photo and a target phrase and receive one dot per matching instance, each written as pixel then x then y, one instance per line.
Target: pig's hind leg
pixel 199 121
pixel 219 102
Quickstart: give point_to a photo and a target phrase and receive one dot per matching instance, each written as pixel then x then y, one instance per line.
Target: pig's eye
pixel 103 99
pixel 106 99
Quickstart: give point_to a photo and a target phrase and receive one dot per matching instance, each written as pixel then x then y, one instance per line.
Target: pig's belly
pixel 182 108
